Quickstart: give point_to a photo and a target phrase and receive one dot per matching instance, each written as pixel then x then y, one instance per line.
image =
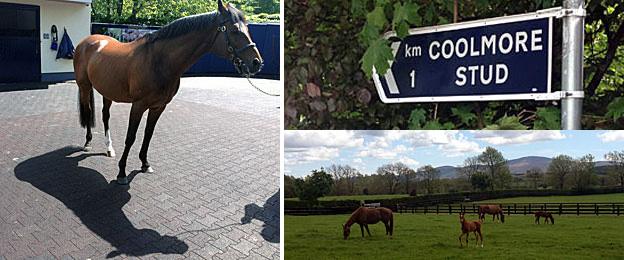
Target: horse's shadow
pixel 95 201
pixel 269 214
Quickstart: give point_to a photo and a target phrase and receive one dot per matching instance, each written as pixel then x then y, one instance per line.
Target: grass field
pixel 614 197
pixel 436 236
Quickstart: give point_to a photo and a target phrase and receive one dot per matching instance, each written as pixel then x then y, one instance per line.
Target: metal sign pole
pixel 572 63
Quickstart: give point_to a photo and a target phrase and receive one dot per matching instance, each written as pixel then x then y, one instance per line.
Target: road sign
pixel 503 58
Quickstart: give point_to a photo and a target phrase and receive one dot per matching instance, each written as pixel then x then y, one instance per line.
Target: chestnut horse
pixel 547 215
pixel 467 227
pixel 364 216
pixel 147 71
pixel 495 210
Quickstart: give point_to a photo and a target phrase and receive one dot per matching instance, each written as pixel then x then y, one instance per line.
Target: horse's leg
pixel 87 108
pixel 362 228
pixel 480 236
pixel 152 118
pixel 367 231
pixel 136 112
pixel 105 116
pixel 460 240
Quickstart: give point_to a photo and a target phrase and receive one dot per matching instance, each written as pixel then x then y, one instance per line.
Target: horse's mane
pixel 192 23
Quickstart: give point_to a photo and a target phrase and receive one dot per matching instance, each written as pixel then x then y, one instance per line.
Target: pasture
pixel 596 198
pixel 436 236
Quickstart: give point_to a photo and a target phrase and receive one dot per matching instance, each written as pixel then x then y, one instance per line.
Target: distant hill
pixel 519 166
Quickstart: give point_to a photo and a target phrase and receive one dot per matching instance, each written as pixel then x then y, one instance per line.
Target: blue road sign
pixel 504 58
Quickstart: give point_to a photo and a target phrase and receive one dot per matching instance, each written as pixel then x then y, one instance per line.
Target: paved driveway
pixel 215 192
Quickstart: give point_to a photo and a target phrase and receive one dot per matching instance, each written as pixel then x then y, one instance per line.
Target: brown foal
pixel 467 227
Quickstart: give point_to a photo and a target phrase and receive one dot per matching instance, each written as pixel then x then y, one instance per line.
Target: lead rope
pixel 260 90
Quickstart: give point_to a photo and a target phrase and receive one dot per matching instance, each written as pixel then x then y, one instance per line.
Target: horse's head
pixel 234 41
pixel 461 217
pixel 346 230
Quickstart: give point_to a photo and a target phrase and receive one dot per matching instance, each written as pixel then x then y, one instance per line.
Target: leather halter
pixel 234 52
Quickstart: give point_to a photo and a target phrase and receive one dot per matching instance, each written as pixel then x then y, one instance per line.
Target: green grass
pixel 436 236
pixel 359 197
pixel 614 197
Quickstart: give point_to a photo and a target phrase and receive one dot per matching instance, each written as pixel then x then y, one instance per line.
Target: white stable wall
pixel 73 15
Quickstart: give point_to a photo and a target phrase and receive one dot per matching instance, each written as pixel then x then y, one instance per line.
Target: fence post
pixel 437 209
pixel 425 209
pixel 560 208
pixel 524 210
pixel 515 210
pixel 450 209
pixel 618 210
pixel 529 208
pixel 578 209
pixel 596 208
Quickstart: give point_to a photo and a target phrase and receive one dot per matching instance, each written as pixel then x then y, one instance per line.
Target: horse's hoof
pixel 147 169
pixel 87 148
pixel 122 181
pixel 110 153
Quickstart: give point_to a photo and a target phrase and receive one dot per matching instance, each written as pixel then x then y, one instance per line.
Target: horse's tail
pixel 87 110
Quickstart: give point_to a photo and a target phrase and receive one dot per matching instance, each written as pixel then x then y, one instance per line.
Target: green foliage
pixel 547 118
pixel 480 181
pixel 615 109
pixel 507 123
pixel 161 12
pixel 314 186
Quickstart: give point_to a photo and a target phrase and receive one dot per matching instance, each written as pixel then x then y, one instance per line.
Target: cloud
pixel 293 156
pixel 451 143
pixel 611 136
pixel 517 137
pixel 409 161
pixel 332 139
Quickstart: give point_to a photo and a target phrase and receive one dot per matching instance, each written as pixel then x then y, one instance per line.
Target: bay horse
pixel 364 216
pixel 495 210
pixel 147 71
pixel 467 227
pixel 547 215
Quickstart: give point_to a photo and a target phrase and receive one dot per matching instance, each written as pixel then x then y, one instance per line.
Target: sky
pixel 305 151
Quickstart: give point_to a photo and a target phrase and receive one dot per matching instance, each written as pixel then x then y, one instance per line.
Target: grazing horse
pixel 546 215
pixel 467 227
pixel 495 210
pixel 364 216
pixel 147 71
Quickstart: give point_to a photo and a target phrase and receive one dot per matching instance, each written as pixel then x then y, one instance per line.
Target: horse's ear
pixel 221 7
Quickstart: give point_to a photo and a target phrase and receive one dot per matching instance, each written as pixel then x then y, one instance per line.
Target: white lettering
pixel 472 70
pixel 485 81
pixel 460 75
pixel 487 43
pixel 449 54
pixel 536 39
pixel 501 41
pixel 431 55
pixel 473 53
pixel 501 78
pixel 521 38
pixel 459 53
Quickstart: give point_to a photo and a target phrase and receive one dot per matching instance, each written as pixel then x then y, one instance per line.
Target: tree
pixel 470 167
pixel 345 177
pixel 314 186
pixel 534 176
pixel 582 175
pixel 617 161
pixel 496 166
pixel 430 177
pixel 558 169
pixel 393 173
pixel 289 187
pixel 480 181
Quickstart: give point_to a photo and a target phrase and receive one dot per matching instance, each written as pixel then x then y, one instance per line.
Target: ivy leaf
pixel 507 123
pixel 548 118
pixel 368 34
pixel 377 17
pixel 464 113
pixel 615 109
pixel 404 14
pixel 417 118
pixel 377 54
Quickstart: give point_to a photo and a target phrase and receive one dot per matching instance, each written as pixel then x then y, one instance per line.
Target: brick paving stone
pixel 216 155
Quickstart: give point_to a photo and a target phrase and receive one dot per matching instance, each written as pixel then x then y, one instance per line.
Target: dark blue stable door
pixel 20 60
